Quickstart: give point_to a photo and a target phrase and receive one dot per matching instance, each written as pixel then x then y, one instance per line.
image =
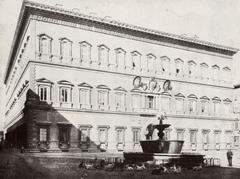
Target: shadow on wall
pixel 43 128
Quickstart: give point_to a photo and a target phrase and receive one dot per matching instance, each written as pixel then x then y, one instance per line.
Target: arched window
pixel 151 62
pixel 120 58
pixel 103 54
pixel 204 101
pixel 179 98
pixel 165 64
pixel 45 44
pixel 85 51
pixel 191 68
pixel 120 98
pixel 192 103
pixel 136 60
pixel 227 106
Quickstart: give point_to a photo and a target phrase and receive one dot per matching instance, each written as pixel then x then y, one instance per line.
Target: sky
pixel 217 21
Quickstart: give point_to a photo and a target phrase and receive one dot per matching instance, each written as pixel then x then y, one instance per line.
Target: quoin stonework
pixel 72 85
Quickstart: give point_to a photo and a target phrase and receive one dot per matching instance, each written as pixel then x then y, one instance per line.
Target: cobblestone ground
pixel 42 165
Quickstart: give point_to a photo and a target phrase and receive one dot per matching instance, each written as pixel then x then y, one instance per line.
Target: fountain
pixel 160 145
pixel 160 149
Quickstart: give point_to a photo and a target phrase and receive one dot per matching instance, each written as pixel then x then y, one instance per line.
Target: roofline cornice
pixel 126 25
pixel 40 6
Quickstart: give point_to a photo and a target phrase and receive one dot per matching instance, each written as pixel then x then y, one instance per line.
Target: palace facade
pixel 69 85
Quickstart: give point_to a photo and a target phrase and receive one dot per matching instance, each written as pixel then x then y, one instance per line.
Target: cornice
pixel 119 24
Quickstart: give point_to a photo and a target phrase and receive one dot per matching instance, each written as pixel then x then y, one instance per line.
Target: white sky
pixel 216 21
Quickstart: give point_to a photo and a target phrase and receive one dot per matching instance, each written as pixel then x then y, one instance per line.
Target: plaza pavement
pixel 219 154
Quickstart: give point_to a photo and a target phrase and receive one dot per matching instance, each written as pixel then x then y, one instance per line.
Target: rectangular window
pixel 205 137
pixel 120 135
pixel 180 135
pixel 167 134
pixel 236 140
pixel 150 102
pixel 43 134
pixel 217 137
pixel 136 135
pixel 64 134
pixel 43 93
pixel 228 137
pixel 84 134
pixel 65 95
pixel 193 137
pixel 102 134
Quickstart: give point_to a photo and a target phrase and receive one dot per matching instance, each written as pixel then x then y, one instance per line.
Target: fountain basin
pixel 162 146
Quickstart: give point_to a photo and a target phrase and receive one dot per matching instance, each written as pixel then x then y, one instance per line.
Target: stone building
pixel 69 85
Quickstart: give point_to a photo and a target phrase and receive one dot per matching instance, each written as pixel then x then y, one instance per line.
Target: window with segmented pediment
pixel 103 95
pixel 103 54
pixel 136 60
pixel 151 62
pixel 216 102
pixel 65 91
pixel 65 47
pixel 120 98
pixel 192 68
pixel 179 66
pixel 45 44
pixel 179 99
pixel 204 105
pixel 226 73
pixel 204 70
pixel 85 51
pixel 44 89
pixel 227 103
pixel 215 72
pixel 192 103
pixel 165 64
pixel 120 58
